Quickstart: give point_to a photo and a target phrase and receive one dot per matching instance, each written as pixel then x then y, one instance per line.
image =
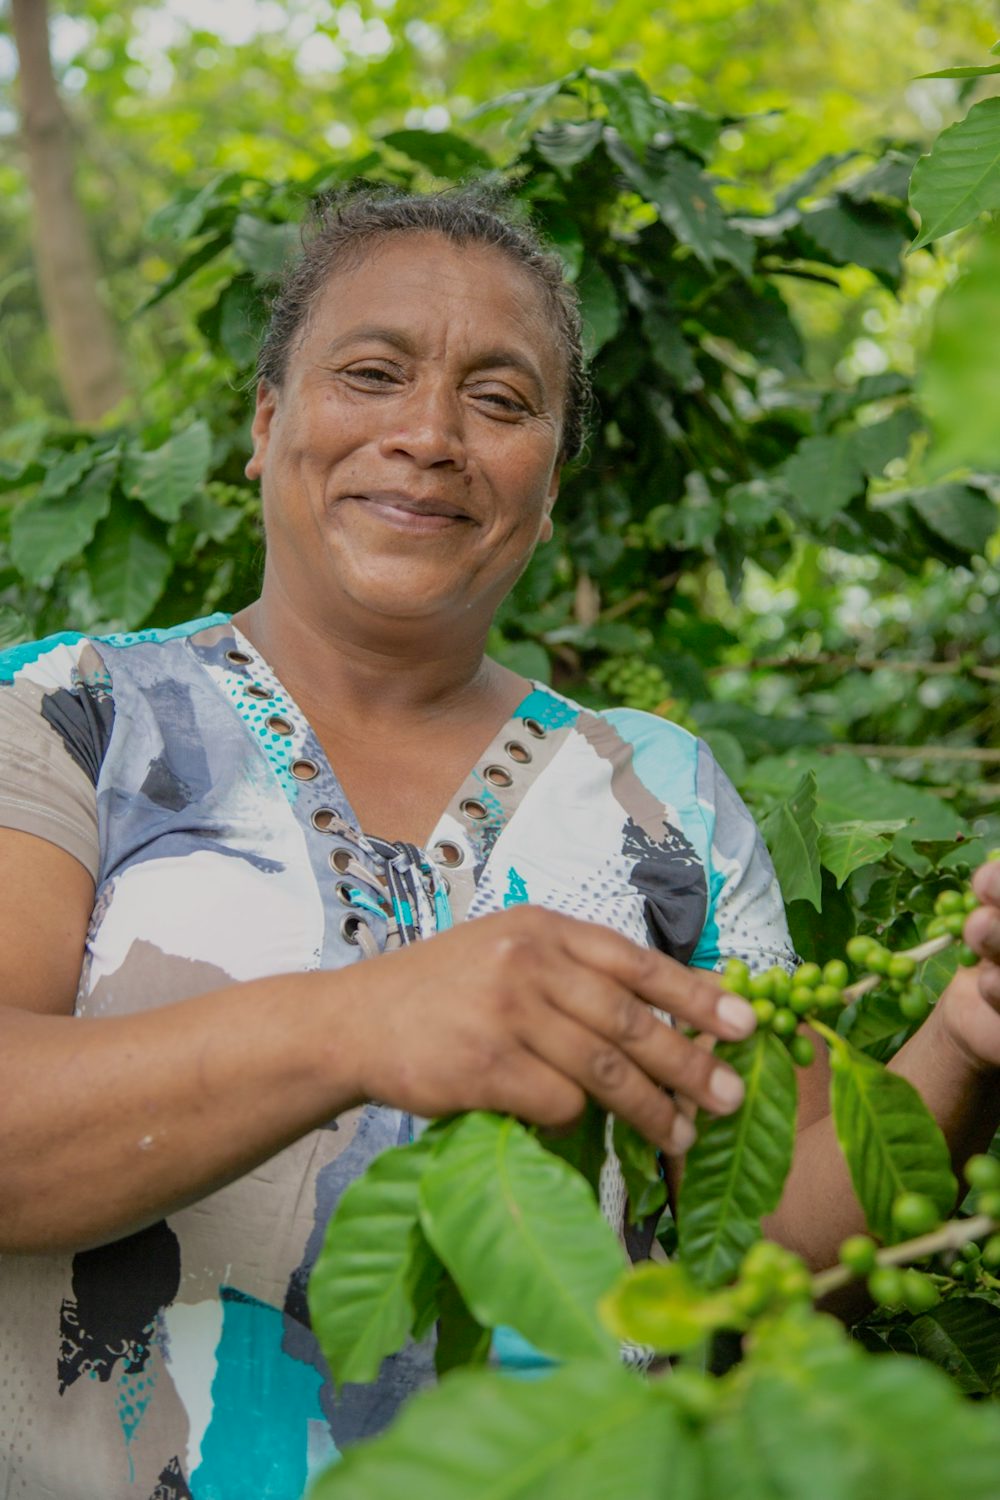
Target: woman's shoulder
pixel 71 656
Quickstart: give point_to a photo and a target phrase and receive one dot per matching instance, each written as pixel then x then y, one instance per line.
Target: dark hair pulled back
pixel 342 225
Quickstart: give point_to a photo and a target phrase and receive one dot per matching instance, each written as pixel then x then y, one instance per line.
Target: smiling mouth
pixel 410 512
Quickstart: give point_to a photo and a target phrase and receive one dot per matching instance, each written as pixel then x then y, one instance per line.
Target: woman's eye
pixel 504 403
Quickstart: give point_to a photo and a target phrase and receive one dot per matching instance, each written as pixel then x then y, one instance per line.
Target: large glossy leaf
pixel 566 143
pixel 815 1415
pixel 846 847
pixel 860 234
pixel 166 477
pixel 962 1336
pixel 263 247
pixel 47 532
pixel 599 306
pixel 661 1307
pixel 128 565
pixel 824 476
pixel 521 1234
pixel 791 833
pixel 686 202
pixel 960 178
pixel 440 151
pixel 958 513
pixel 736 1169
pixel 890 1140
pixel 632 110
pixel 374 1273
pixel 591 1431
pixel 460 1339
pixel 960 373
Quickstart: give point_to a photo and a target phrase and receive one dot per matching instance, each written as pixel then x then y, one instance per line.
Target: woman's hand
pixel 971 1004
pixel 528 1012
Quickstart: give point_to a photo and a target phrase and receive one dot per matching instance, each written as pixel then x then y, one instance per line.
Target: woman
pixel 206 829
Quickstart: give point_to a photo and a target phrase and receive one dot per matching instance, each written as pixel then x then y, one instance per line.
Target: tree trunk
pixel 87 350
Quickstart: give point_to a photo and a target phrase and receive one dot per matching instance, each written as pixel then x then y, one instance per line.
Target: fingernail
pixel 727 1087
pixel 736 1015
pixel 682 1135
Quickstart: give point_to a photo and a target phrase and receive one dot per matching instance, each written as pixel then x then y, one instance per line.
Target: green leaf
pixel 845 847
pixel 188 266
pixel 881 442
pixel 521 1234
pixel 736 1169
pixel 962 1336
pixel 686 202
pixel 65 474
pixel 128 565
pixel 440 151
pixel 521 104
pixel 824 476
pixel 565 144
pixel 661 1307
pixel 791 833
pixel 599 308
pixel 640 1164
pixel 960 374
pixel 265 248
pixel 871 1020
pixel 590 1430
pixel 461 1341
pixel 960 178
pixel 14 627
pixel 241 319
pixel 584 1147
pixel 958 513
pixel 168 476
pixel 981 72
pixel 632 109
pixel 45 533
pixel 890 1140
pixel 375 1271
pixel 814 1415
pixel 670 350
pixel 859 234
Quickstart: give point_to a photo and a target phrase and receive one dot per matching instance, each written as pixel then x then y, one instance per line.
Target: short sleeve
pixel 50 750
pixel 746 915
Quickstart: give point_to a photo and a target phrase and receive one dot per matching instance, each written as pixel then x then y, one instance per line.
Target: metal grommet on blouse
pixel 518 752
pixel 256 690
pixel 350 925
pixel 343 892
pixel 304 770
pixel 473 810
pixel 533 727
pixel 323 819
pixel 239 658
pixel 277 725
pixel 446 853
pixel 498 776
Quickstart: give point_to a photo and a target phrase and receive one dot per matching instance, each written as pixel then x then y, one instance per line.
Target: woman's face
pixel 409 460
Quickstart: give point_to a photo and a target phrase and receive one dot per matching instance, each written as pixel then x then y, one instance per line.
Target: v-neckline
pixel 475 786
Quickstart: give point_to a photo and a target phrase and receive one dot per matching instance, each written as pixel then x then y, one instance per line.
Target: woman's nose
pixel 428 429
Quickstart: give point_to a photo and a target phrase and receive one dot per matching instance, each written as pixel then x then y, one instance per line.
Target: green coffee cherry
pixel 901 966
pixel 991 1252
pixel 764 1011
pixel 989 1204
pixel 972 902
pixel 885 1286
pixel 858 949
pixel 982 1173
pixel 836 972
pixel 919 1292
pixel 785 1022
pixel 802 999
pixel 914 1006
pixel 949 901
pixel 878 959
pixel 803 1051
pixel 967 957
pixel 810 974
pixel 829 997
pixel 955 922
pixel 913 1214
pixel 937 927
pixel 736 976
pixel 857 1253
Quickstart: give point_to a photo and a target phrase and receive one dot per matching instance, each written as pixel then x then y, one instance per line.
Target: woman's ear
pixel 260 428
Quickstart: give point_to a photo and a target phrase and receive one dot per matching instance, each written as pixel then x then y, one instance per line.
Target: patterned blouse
pixel 179 1362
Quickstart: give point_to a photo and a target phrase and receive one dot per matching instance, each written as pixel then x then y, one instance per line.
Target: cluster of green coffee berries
pixel 950 911
pixel 771 1277
pixel 782 1001
pixel 636 683
pixel 914 1215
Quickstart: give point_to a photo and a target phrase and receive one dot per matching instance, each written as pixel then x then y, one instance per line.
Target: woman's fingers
pixel 695 997
pixel 622 1026
pixel 608 1075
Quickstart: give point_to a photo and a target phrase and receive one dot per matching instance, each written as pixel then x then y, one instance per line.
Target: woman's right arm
pixel 108 1124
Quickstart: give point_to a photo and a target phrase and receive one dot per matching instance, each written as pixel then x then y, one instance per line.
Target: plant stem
pixel 918 954
pixel 951 1236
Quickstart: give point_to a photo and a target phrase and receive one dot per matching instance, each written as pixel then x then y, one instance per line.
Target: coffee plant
pixel 726 445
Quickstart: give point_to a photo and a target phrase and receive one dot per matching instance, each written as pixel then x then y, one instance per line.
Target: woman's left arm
pixel 954 1063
